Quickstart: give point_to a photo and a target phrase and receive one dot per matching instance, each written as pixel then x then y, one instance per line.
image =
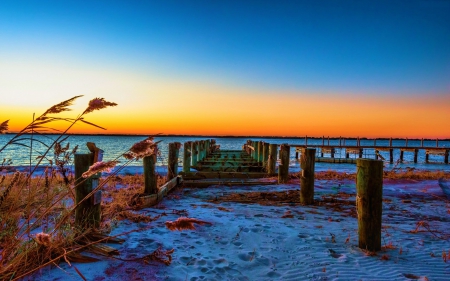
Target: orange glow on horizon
pixel 149 104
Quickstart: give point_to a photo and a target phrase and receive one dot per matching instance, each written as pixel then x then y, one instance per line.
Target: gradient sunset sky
pixel 285 68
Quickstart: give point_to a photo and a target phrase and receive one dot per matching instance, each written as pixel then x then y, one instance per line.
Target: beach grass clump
pixel 36 210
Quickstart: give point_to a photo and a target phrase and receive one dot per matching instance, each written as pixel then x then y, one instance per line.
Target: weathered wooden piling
pixel 265 154
pixel 391 155
pixel 260 151
pixel 187 157
pixel 369 187
pixel 307 162
pixel 194 152
pixel 446 156
pixel 416 153
pixel 272 159
pixel 87 213
pixel 283 168
pixel 360 151
pixel 255 150
pixel 201 150
pixel 172 168
pixel 401 155
pixel 150 177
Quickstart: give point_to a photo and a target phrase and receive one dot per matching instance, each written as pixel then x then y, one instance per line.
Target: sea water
pixel 114 146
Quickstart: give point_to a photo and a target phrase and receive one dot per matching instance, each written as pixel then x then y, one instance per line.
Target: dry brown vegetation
pixel 37 212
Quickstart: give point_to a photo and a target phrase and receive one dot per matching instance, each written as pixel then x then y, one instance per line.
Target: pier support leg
pixel 283 168
pixel 307 162
pixel 87 215
pixel 361 150
pixel 172 168
pixel 416 152
pixel 391 155
pixel 446 156
pixel 260 151
pixel 369 188
pixel 265 154
pixel 332 152
pixel 272 160
pixel 150 180
pixel 187 157
pixel 401 156
pixel 427 157
pixel 194 153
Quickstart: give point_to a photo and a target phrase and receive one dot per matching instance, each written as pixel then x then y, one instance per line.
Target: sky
pixel 266 68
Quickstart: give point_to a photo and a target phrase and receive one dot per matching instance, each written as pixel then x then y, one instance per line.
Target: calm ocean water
pixel 114 146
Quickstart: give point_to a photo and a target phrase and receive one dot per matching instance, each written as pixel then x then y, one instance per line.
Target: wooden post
pixel 446 156
pixel 201 147
pixel 401 156
pixel 358 143
pixel 150 178
pixel 296 154
pixel 361 150
pixel 437 142
pixel 307 162
pixel 347 155
pixel 194 152
pixel 332 152
pixel 187 157
pixel 369 189
pixel 265 154
pixel 172 168
pixel 283 168
pixel 87 215
pixel 272 160
pixel 260 151
pixel 427 157
pixel 390 142
pixel 416 152
pixel 255 151
pixel 391 155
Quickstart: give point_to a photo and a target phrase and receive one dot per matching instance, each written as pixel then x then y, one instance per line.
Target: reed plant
pixel 37 211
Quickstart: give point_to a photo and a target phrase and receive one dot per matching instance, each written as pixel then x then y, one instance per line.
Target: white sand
pixel 253 242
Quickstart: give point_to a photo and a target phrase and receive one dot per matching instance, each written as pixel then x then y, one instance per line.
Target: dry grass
pixel 394 174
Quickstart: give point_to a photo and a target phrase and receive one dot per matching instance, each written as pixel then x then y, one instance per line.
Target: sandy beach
pixel 263 233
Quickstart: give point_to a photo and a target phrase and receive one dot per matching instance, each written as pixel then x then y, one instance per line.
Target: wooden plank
pixel 222 175
pixel 436 151
pixel 103 250
pixel 336 160
pixel 408 149
pixel 327 150
pixel 200 183
pixel 150 200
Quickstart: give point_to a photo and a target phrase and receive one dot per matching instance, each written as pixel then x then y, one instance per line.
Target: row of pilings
pixel 369 185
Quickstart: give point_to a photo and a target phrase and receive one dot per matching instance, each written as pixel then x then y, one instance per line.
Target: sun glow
pixel 149 105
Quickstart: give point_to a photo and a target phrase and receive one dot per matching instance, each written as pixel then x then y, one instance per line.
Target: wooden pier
pixel 229 167
pixel 358 150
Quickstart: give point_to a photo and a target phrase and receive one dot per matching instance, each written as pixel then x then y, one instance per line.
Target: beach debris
pixel 287 214
pixel 445 188
pixel 334 254
pixel 160 255
pixel 184 223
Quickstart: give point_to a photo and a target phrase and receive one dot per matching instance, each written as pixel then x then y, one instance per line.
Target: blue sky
pixel 399 47
pixel 363 54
